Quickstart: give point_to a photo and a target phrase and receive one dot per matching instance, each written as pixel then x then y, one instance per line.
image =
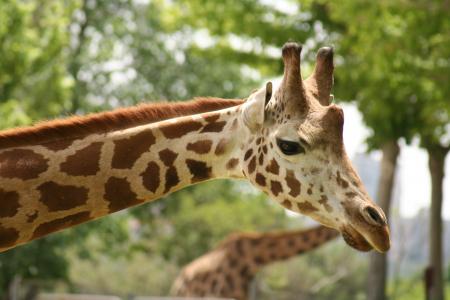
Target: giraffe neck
pixel 48 187
pixel 273 247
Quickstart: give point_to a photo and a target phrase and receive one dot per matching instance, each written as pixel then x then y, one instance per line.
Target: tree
pixel 433 24
pixel 32 74
pixel 376 72
pixel 396 61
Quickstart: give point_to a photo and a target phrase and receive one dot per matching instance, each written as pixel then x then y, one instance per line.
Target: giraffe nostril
pixel 373 216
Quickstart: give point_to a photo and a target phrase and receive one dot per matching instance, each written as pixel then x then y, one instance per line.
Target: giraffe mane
pixel 79 126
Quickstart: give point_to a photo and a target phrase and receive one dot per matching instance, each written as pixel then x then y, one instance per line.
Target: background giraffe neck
pixel 46 188
pixel 272 247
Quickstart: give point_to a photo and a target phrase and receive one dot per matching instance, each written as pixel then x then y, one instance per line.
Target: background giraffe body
pixel 228 270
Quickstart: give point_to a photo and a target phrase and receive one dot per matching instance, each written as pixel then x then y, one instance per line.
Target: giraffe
pixel 228 270
pixel 287 141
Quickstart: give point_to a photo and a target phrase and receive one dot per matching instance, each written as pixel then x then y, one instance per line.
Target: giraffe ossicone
pixel 286 140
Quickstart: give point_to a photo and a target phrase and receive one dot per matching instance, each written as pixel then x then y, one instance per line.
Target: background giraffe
pixel 287 142
pixel 228 270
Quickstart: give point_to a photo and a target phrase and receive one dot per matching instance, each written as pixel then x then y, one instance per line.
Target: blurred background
pixel 392 77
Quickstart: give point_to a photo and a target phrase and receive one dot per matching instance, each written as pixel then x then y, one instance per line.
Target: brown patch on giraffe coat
pixel 199 170
pixel 229 281
pixel 287 204
pixel 351 194
pixel 150 177
pixel 200 147
pixel 168 157
pixel 221 147
pixel 258 260
pixel 61 223
pixel 306 207
pixel 314 171
pixel 214 127
pixel 177 130
pixel 252 165
pixel 245 272
pixel 212 118
pixel 260 179
pixel 248 154
pixel 9 203
pixel 84 162
pixel 22 164
pixel 234 124
pixel 261 159
pixel 58 145
pixel 275 187
pixel 239 247
pixel 233 262
pixel 128 150
pixel 172 179
pixel 342 182
pixel 8 237
pixel 119 194
pixel 293 184
pixel 324 201
pixel 62 197
pixel 264 149
pixel 273 167
pixel 232 163
pixel 356 184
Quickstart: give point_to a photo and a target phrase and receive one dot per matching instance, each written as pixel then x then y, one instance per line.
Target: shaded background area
pixel 392 71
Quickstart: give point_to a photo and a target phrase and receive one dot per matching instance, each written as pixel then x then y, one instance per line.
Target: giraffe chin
pixel 355 240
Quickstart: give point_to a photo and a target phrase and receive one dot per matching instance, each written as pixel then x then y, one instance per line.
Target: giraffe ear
pixel 254 108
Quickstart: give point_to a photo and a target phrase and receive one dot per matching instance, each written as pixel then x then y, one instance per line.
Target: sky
pixel 413 175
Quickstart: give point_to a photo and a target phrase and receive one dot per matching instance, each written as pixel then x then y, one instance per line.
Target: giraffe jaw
pixel 355 240
pixel 365 243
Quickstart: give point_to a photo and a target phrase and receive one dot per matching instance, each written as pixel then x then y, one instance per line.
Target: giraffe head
pixel 295 153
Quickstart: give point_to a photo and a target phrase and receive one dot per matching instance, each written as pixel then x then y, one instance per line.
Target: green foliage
pixel 41 260
pixel 32 38
pixel 190 222
pixel 139 274
pixel 46 258
pixel 330 272
pixel 394 66
pixel 248 32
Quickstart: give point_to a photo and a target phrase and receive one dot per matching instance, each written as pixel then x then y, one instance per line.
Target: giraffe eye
pixel 289 147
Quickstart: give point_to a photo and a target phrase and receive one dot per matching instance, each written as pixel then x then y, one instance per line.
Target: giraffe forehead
pixel 320 124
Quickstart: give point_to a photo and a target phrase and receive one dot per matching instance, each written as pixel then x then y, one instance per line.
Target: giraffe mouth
pixel 355 240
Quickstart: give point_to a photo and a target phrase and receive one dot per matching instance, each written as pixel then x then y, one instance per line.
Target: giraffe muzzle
pixel 367 229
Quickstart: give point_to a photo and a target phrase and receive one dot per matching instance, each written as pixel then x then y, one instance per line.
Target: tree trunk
pixel 376 287
pixel 436 161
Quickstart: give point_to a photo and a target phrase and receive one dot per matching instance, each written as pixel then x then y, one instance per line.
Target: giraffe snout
pixel 367 225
